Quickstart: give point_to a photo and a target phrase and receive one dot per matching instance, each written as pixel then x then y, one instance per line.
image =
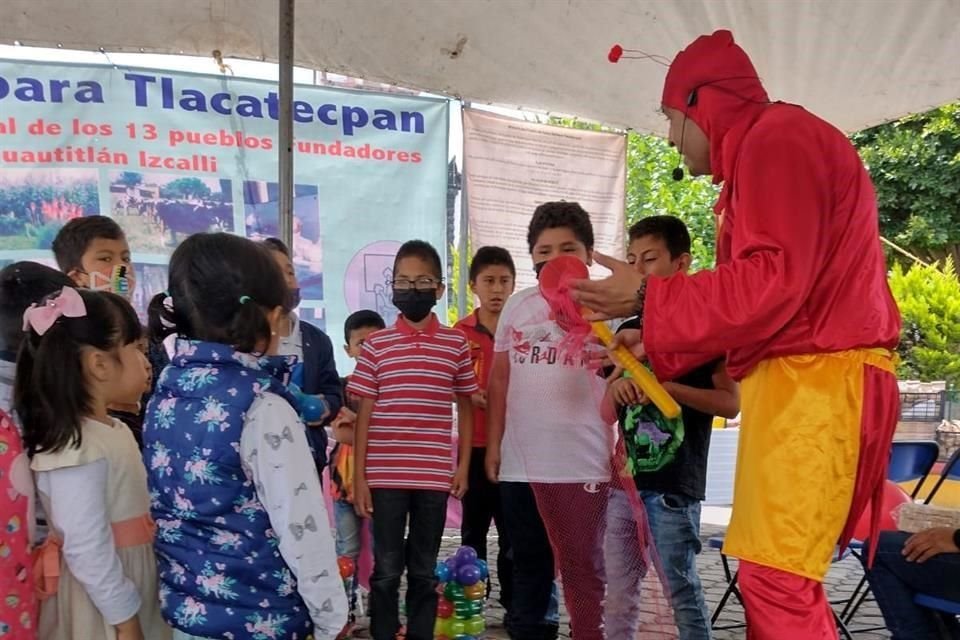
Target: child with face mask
pixel 405 379
pixel 94 253
pixel 316 371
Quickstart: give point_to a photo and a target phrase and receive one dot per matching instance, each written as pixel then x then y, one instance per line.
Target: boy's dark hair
pixel 670 229
pixel 422 250
pixel 50 394
pixel 489 257
pixel 361 320
pixel 557 215
pixel 23 284
pixel 278 245
pixel 73 240
pixel 219 285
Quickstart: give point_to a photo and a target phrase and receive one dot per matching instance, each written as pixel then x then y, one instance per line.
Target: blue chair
pixel 937 604
pixel 909 460
pixel 912 460
pixel 716 542
pixel 951 470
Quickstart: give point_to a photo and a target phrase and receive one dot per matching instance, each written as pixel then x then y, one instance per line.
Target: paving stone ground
pixel 841 582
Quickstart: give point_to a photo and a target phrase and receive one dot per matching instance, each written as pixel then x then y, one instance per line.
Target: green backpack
pixel 651 439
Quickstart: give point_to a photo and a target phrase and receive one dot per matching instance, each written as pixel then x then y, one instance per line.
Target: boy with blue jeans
pixel 667 459
pixel 357 327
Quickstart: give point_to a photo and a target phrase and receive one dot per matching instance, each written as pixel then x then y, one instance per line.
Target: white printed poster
pixel 512 166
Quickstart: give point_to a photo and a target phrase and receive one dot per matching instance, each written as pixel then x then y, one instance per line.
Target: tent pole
pixel 285 133
pixel 464 247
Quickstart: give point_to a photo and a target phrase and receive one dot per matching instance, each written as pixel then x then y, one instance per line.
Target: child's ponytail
pixel 160 318
pixel 221 289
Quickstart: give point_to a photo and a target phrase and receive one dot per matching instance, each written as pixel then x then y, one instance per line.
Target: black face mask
pixel 539 267
pixel 414 305
pixel 293 299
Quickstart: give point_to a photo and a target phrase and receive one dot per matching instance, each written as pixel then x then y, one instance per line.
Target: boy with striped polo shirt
pixel 405 378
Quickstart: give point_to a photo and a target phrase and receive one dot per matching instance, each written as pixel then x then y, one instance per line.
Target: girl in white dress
pixel 98 574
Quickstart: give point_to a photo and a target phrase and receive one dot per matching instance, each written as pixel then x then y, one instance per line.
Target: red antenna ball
pixel 616 51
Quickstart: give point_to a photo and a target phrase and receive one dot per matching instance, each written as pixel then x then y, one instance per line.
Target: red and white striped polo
pixel 413 376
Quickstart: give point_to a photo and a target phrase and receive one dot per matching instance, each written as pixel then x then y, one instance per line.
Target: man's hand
pixel 613 297
pixel 491 464
pixel 922 546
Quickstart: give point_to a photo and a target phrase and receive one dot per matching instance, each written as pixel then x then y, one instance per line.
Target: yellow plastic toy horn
pixel 553 285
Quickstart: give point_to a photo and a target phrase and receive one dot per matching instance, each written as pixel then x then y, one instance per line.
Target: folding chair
pixel 716 542
pixel 912 460
pixel 946 608
pixel 951 470
pixel 937 604
pixel 909 460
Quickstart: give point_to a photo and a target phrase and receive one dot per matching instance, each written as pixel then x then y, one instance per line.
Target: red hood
pixel 728 93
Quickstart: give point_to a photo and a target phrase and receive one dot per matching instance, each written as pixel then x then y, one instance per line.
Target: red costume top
pixel 800 269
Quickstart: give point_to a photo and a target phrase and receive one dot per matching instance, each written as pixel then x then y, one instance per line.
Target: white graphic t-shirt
pixel 554 432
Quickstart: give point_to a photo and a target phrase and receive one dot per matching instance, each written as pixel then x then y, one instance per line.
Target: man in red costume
pixel 799 303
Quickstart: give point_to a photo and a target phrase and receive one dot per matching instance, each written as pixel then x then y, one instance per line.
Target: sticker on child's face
pixel 120 280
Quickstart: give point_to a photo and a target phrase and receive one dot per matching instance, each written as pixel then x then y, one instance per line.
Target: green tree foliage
pixel 184 188
pixel 651 190
pixel 929 300
pixel 23 203
pixel 915 166
pixel 453 288
pixel 130 178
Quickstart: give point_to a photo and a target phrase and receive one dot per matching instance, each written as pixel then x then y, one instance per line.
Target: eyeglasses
pixel 420 284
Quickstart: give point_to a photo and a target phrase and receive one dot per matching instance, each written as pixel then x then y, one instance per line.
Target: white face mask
pixel 121 281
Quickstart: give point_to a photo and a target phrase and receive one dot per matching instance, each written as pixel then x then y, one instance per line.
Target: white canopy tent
pixel 855 62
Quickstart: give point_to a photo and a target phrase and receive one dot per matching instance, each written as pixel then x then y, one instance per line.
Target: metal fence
pixel 923 407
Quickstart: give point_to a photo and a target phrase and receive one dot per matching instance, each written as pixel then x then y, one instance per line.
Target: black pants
pixel 533 565
pixel 481 504
pixel 427 513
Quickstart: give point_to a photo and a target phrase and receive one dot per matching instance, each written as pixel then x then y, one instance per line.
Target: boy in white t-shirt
pixel 548 445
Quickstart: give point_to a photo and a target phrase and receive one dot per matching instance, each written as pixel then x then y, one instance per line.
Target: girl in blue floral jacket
pixel 243 542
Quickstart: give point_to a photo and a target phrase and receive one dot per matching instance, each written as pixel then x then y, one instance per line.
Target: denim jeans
pixel 349 527
pixel 427 513
pixel 895 582
pixel 534 609
pixel 675 525
pixel 481 505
